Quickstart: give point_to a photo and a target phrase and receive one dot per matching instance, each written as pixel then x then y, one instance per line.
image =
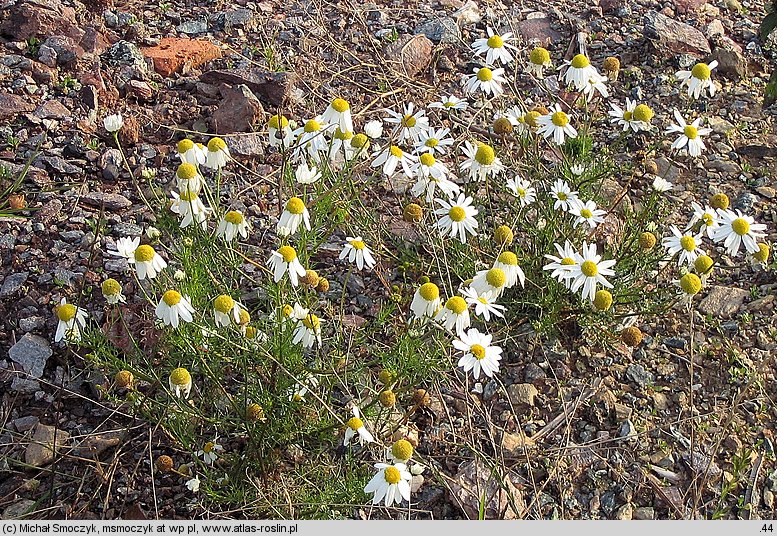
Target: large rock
pixel 275 88
pixel 731 62
pixel 522 394
pixel 673 36
pixel 477 488
pixel 31 352
pixel 38 18
pixel 688 6
pixel 12 106
pixel 538 30
pixel 440 30
pixel 410 55
pixel 239 111
pixel 45 443
pixel 173 53
pixel 723 302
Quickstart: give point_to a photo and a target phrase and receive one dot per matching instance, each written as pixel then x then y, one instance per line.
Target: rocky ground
pixel 616 447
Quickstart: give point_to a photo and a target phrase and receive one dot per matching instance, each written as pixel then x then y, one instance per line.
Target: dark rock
pixel 31 352
pixel 23 386
pixel 745 202
pixel 38 18
pixel 193 27
pixel 47 56
pixel 108 200
pixel 13 283
pixel 239 111
pixel 533 373
pixel 639 375
pixel 538 30
pixel 678 343
pixel 671 36
pixel 239 18
pixel 111 163
pixel 275 88
pixel 410 54
pixel 58 164
pixel 124 53
pixel 440 30
pixel 52 109
pixel 731 63
pixel 48 212
pixel 66 48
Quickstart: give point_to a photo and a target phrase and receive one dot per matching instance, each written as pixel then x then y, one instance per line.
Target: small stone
pixel 644 513
pixel 688 6
pixel 52 109
pixel 440 30
pixel 94 445
pixel 522 394
pixel 767 191
pixel 714 29
pixel 516 444
pixel 671 36
pixel 108 200
pixel 193 27
pixel 720 125
pixel 410 54
pixel 12 106
pixel 731 62
pixel 627 430
pixel 173 53
pixel 252 144
pixel 19 509
pixel 239 19
pixel 124 53
pixel 625 512
pixel 533 373
pixel 723 302
pixel 275 88
pixel 416 482
pixel 112 164
pixel 22 424
pixel 622 411
pixel 66 49
pixel 31 323
pixel 639 375
pixel 24 386
pixel 745 202
pixel 45 441
pixel 538 30
pixel 239 111
pixel 13 283
pixel 661 401
pixel 31 352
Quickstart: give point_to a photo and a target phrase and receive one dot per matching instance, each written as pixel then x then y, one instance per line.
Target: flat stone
pixel 45 442
pixel 522 394
pixel 193 27
pixel 538 30
pixel 671 36
pixel 644 513
pixel 19 509
pixel 173 53
pixel 31 352
pixel 274 88
pixel 239 111
pixel 766 191
pixel 12 106
pixel 248 145
pixel 722 302
pixel 38 18
pixel 48 212
pixel 440 30
pixel 639 375
pixel 13 283
pixel 96 444
pixel 109 200
pixel 410 54
pixel 52 109
pixel 31 323
pixel 731 63
pixel 23 386
pixel 688 6
pixel 22 424
pixel 124 53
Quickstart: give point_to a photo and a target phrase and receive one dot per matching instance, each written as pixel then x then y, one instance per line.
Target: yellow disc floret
pixel 703 264
pixel 340 105
pixel 457 214
pixel 740 226
pixel 144 253
pixel 185 145
pixel 485 155
pixel 234 217
pixel 485 74
pixel 392 475
pixel 688 243
pixel 690 283
pixel 589 268
pixel 311 125
pixel 387 398
pixel 691 132
pixel 360 141
pixel 602 300
pixel 123 378
pixel 429 291
pixel 762 255
pixel 427 159
pixel 278 122
pixel 288 253
pixel 559 119
pixel 402 450
pixel 456 304
pixel 496 277
pixel 244 317
pixel 719 201
pixel 396 151
pixel 224 303
pixel 580 62
pixel 701 71
pixel 254 412
pixel 503 235
pixel 295 205
pixel 647 240
pixel 186 171
pixel 531 118
pixel 495 41
pixel 216 144
pixel 508 257
pixel 171 297
pixel 111 287
pixel 539 56
pixel 311 321
pixel 478 351
pixel 354 423
pixel 357 244
pixel 643 113
pixel 180 377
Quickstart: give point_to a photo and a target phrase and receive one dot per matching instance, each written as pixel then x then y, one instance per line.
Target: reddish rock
pixel 11 106
pixel 275 88
pixel 52 109
pixel 676 37
pixel 688 6
pixel 39 18
pixel 538 30
pixel 238 112
pixel 173 53
pixel 410 54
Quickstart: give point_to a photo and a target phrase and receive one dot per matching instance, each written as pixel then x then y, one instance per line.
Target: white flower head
pixel 279 132
pixel 457 217
pixel 737 229
pixel 294 214
pixel 305 174
pixel 339 113
pixel 450 103
pixel 587 213
pixel 590 271
pixel 496 47
pixel 125 247
pixel 232 224
pixel 113 123
pixel 193 484
pixel 522 189
pixel 625 117
pixel 226 311
pixel 566 198
pixel 190 208
pixel 390 484
pixel 487 80
pixel 356 251
pixel 285 260
pixel 374 129
pixel 191 153
pixel 491 282
pixel 507 261
pixel 661 185
pixel 148 263
pixel 174 307
pixel 392 156
pixel 355 427
pixel 70 321
pixel 407 124
pixel 562 265
pixel 698 79
pixel 218 154
pixel 481 161
pixel 311 139
pixel 434 141
pixel 479 354
pixel 308 330
pixel 579 72
pixel 555 124
pixel 426 301
pixel 539 59
pixel 707 216
pixel 690 135
pixel 686 244
pixel 485 304
pixel 209 452
pixel 455 313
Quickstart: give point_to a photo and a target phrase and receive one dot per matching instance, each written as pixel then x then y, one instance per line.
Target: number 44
pixel 767 528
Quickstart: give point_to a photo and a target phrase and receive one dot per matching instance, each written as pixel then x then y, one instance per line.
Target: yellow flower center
pixel 402 449
pixel 456 304
pixel 359 141
pixel 531 118
pixel 311 321
pixel 495 41
pixel 312 126
pixel 602 300
pixel 429 291
pixel 720 201
pixel 762 255
pixel 111 287
pixel 396 151
pixel 701 71
pixel 708 219
pixel 288 253
pixel 560 119
pixel 643 113
pixel 431 142
pixel 427 159
pixel 627 115
pixel 180 376
pixel 254 412
pixel 187 196
pixel 185 145
pixel 288 310
pixel 144 253
pixel 691 132
pixel 224 304
pixel 340 105
pixel 354 423
pixel 457 214
pixel 568 261
pixel 740 226
pixel 509 258
pixel 278 122
pixel 585 213
pixel 340 135
pixel 690 283
pixel 408 121
pixel 208 448
pixel 478 351
pixel 216 144
pixel 392 475
pixel 688 243
pixel 234 217
pixel 485 155
pixel 295 205
pixel 561 196
pixel 251 332
pixel 449 104
pixel 703 264
pixel 485 74
pixel 66 312
pixel 647 240
pixel 357 244
pixel 171 297
pixel 580 62
pixel 589 268
pixel 244 317
pixel 186 171
pixel 496 277
pixel 539 56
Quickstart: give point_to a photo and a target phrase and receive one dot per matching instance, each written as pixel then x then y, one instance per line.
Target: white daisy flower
pixel 408 125
pixel 112 292
pixel 434 141
pixel 232 224
pixel 308 330
pixel 113 123
pixel 279 132
pixel 302 388
pixel 539 59
pixel 426 301
pixel 391 482
pixel 374 129
pixel 339 113
pixel 355 427
pixel 191 153
pixel 594 84
pixel 555 124
pixel 285 260
pixel 356 251
pixel 305 174
pixel 566 199
pixel 496 47
pixel 226 310
pixel 507 261
pixel 589 271
pixel 698 79
pixel 625 118
pixel 522 189
pixel 341 139
pixel 294 215
pixel 737 229
pixel 428 166
pixel 450 103
pixel 429 183
pixel 455 313
pixel 491 282
pixel 217 155
pixel 311 139
pixel 125 247
pixel 686 244
pixel 563 264
pixel 708 218
pixel 172 307
pixel 577 169
pixel 690 135
pixel 209 452
pixel 180 382
pixel 457 217
pixel 188 179
pixel 190 208
pixel 479 355
pixel 148 263
pixel 579 72
pixel 481 161
pixel 193 484
pixel 587 212
pixel 485 305
pixel 71 320
pixel 392 156
pixel 487 80
pixel 661 185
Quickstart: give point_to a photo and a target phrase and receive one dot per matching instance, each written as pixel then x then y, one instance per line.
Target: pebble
pixel 24 386
pixel 13 283
pixel 678 343
pixel 639 375
pixel 627 430
pixel 31 352
pixel 108 200
pixel 45 441
pixel 533 373
pixel 522 394
pixel 745 202
pixel 644 513
pixel 723 302
pixel 440 30
pixel 31 323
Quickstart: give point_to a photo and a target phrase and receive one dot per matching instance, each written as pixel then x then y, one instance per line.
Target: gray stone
pixel 720 125
pixel 538 30
pixel 731 62
pixel 644 513
pixel 108 200
pixel 639 375
pixel 627 430
pixel 66 48
pixel 193 27
pixel 671 36
pixel 22 424
pixel 13 283
pixel 533 373
pixel 676 342
pixel 112 164
pixel 745 202
pixel 45 443
pixel 522 394
pixel 24 386
pixel 124 53
pixel 440 30
pixel 19 509
pixel 767 191
pixel 31 352
pixel 252 144
pixel 723 302
pixel 239 18
pixel 31 323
